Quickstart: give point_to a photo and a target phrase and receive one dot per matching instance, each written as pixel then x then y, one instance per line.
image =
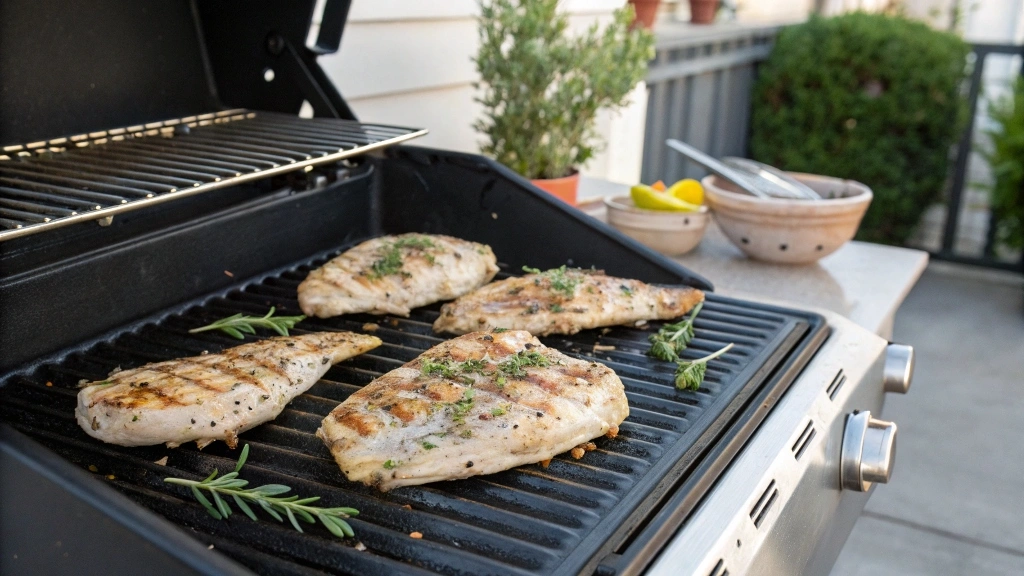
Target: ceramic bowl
pixel 671 233
pixel 789 231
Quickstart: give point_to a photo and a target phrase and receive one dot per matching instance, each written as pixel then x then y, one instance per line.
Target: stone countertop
pixel 864 282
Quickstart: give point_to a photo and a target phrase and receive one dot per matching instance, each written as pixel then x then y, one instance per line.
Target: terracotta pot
pixel 562 188
pixel 703 11
pixel 789 231
pixel 646 12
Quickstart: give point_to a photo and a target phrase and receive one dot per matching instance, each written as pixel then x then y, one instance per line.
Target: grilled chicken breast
pixel 478 404
pixel 563 301
pixel 214 396
pixel 394 274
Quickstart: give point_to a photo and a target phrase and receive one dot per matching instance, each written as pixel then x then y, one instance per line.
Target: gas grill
pixel 155 177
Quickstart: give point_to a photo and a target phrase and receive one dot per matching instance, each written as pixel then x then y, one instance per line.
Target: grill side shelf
pixel 529 520
pixel 54 183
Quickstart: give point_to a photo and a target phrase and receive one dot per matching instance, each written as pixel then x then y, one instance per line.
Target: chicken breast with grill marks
pixel 477 404
pixel 394 274
pixel 214 396
pixel 564 301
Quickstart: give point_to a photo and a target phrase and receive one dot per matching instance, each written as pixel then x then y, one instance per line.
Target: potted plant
pixel 1006 157
pixel 541 87
pixel 703 11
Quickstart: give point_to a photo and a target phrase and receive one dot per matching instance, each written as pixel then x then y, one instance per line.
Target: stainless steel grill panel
pixel 49 184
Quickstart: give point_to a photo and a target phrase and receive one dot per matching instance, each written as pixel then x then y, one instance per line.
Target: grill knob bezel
pixel 868 452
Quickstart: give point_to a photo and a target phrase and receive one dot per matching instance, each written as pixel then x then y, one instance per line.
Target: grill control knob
pixel 899 368
pixel 869 449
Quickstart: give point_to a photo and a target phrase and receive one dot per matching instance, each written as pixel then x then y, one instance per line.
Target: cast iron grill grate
pixel 53 183
pixel 528 520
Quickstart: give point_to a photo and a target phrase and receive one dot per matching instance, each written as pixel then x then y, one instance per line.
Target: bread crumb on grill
pixel 605 331
pixel 360 546
pixel 603 348
pixel 640 323
pixel 582 449
pixel 210 547
pixel 111 477
pixel 416 535
pixel 407 507
pixel 162 461
pixel 545 463
pixel 612 432
pixel 229 274
pixel 49 383
pixel 393 322
pixel 93 468
pixel 370 327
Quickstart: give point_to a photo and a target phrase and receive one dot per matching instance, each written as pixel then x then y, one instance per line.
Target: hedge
pixel 868 97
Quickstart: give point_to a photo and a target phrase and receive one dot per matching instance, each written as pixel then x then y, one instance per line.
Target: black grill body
pixel 137 298
pixel 79 301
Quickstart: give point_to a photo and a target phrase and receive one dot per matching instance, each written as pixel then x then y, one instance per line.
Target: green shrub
pixel 868 97
pixel 1006 156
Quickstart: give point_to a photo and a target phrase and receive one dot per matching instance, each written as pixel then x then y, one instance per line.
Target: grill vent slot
pixel 764 503
pixel 836 385
pixel 719 569
pixel 804 440
pixel 55 183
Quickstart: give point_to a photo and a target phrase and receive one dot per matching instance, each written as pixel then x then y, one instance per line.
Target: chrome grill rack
pixel 54 183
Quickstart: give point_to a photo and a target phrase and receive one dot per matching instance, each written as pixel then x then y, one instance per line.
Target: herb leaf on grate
pixel 267 497
pixel 690 373
pixel 237 326
pixel 672 339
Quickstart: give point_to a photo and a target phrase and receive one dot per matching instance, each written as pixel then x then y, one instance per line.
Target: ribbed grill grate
pixel 54 183
pixel 526 520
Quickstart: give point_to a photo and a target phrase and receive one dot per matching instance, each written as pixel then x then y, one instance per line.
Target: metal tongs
pixel 752 177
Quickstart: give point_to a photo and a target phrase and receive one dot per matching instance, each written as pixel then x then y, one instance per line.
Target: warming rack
pixel 54 183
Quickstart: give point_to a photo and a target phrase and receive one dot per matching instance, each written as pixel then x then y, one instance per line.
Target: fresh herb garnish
pixel 690 373
pixel 428 446
pixel 672 339
pixel 499 330
pixel 429 367
pixel 626 290
pixel 390 464
pixel 390 262
pixel 267 496
pixel 499 411
pixel 462 407
pixel 467 433
pixel 557 308
pixel 514 365
pixel 239 325
pixel 557 279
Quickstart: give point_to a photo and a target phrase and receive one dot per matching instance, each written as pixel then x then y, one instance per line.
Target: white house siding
pixel 409 62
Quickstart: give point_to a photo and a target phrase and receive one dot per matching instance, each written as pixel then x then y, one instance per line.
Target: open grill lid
pixel 96 136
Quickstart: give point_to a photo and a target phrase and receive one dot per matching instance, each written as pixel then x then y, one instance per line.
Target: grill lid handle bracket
pixel 332 24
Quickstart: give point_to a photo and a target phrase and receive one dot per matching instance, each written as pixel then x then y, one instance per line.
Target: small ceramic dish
pixel 671 233
pixel 789 231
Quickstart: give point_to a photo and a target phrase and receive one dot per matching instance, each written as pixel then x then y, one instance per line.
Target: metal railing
pixel 965 146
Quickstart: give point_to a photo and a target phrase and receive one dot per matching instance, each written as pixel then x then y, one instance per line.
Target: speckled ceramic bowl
pixel 671 233
pixel 789 231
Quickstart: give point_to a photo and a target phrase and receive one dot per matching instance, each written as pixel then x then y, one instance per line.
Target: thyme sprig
pixel 672 339
pixel 690 373
pixel 515 364
pixel 391 262
pixel 267 497
pixel 238 325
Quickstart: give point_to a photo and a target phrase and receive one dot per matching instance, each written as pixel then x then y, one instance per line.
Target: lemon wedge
pixel 688 190
pixel 650 199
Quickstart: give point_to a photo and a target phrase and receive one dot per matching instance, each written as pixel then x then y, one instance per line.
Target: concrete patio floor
pixel 955 504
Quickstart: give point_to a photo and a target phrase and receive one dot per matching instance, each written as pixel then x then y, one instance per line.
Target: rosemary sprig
pixel 672 339
pixel 237 325
pixel 690 373
pixel 267 498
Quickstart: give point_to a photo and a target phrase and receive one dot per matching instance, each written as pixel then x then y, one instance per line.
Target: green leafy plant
pixel 542 87
pixel 868 97
pixel 1006 157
